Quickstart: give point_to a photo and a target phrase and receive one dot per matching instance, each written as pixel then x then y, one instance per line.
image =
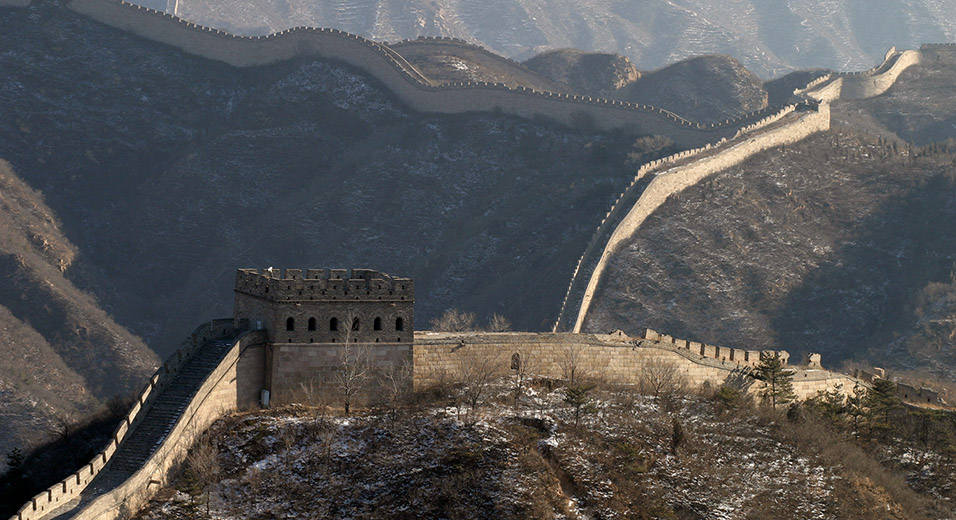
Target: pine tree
pixel 881 401
pixel 856 407
pixel 778 381
pixel 576 396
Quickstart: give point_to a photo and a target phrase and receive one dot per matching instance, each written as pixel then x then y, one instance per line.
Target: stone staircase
pixel 150 432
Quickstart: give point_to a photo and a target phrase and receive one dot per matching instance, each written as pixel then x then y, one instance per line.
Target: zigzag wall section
pixel 865 84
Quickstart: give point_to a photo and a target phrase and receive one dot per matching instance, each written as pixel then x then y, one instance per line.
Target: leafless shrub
pixel 64 424
pixel 572 364
pixel 394 387
pixel 476 372
pixel 498 323
pixel 662 379
pixel 203 468
pixel 454 320
pixel 523 366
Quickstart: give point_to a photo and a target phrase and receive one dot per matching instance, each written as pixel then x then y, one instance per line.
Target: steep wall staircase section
pixel 153 428
pixel 180 400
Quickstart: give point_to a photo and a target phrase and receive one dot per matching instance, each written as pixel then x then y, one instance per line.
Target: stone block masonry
pixel 439 357
pixel 318 320
pixel 224 366
pixel 233 384
pixel 326 305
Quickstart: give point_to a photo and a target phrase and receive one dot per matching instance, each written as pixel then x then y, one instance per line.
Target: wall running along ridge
pixel 828 88
pixel 653 184
pixel 865 84
pixel 234 384
pixel 403 80
pixel 616 358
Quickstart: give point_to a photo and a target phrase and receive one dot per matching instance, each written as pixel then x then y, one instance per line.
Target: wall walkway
pixel 208 376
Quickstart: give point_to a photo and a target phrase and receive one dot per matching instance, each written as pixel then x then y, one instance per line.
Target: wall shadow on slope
pixel 856 304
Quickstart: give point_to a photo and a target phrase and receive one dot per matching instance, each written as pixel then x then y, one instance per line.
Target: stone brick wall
pixel 233 385
pixel 220 394
pixel 439 357
pixel 865 84
pixel 943 53
pixel 298 369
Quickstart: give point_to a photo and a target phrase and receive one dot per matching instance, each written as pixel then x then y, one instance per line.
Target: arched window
pixel 377 324
pixel 399 323
pixel 290 324
pixel 311 323
pixel 334 324
pixel 355 324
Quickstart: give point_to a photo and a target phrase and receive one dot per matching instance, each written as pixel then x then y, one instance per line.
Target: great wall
pixel 224 365
pixel 399 77
pixel 260 353
pixel 658 180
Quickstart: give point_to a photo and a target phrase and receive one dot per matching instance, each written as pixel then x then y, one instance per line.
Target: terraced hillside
pixel 769 38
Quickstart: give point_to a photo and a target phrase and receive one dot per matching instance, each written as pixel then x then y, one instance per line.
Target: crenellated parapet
pixel 326 305
pixel 736 357
pixel 657 180
pixel 408 84
pixel 323 285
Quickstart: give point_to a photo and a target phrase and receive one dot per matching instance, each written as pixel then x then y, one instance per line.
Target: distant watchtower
pixel 326 305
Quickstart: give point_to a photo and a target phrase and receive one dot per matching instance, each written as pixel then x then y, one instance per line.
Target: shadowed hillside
pixel 705 88
pixel 589 73
pixel 63 355
pixel 919 108
pixel 832 245
pixel 770 38
pixel 301 163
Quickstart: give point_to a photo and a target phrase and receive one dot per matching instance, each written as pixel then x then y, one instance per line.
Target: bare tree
pixel 661 378
pixel 204 469
pixel 63 425
pixel 572 363
pixel 523 366
pixel 476 372
pixel 454 320
pixel 354 368
pixel 498 323
pixel 396 386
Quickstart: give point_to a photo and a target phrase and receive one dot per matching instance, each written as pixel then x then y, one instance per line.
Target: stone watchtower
pixel 310 319
pixel 326 305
